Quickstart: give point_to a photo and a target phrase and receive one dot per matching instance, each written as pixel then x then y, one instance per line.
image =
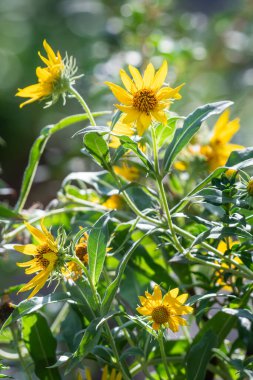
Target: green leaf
pixel 128 143
pixel 239 313
pixel 97 148
pixel 164 133
pixel 89 340
pixel 37 150
pixel 241 158
pixel 8 213
pixel 191 125
pixel 215 330
pixel 113 287
pixel 199 356
pixel 36 303
pixel 41 345
pixel 97 245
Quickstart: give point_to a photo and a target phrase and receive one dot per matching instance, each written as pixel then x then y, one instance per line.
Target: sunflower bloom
pixel 120 129
pixel 45 258
pixel 106 375
pixel 72 270
pixel 128 172
pixel 114 202
pixel 164 311
pixel 219 149
pixel 144 100
pixel 222 247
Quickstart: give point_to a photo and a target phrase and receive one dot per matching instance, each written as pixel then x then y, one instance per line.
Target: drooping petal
pixel 28 249
pixel 173 324
pixel 155 326
pixel 160 76
pixel 159 116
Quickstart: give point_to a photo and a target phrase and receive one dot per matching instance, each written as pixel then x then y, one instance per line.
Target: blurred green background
pixel 208 44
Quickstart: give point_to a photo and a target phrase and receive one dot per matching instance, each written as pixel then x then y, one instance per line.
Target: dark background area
pixel 208 44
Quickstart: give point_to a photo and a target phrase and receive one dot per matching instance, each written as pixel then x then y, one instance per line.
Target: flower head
pixel 144 100
pixel 219 148
pixel 120 129
pixel 164 311
pixel 114 202
pixel 45 258
pixel 53 80
pixel 72 269
pixel 223 247
pixel 106 375
pixel 128 172
pixel 250 187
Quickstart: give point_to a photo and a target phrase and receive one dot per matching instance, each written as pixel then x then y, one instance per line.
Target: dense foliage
pixel 166 214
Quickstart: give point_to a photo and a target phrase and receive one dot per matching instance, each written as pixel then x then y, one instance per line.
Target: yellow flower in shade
pixel 45 258
pixel 48 77
pixel 250 187
pixel 106 375
pixel 72 270
pixel 128 172
pixel 144 100
pixel 222 247
pixel 114 202
pixel 165 311
pixel 120 129
pixel 219 149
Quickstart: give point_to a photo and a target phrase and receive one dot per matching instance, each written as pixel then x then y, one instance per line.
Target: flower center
pixel 145 100
pixel 42 249
pixel 160 314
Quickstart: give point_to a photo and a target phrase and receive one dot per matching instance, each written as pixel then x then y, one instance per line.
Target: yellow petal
pixel 131 116
pixel 119 376
pixel 127 81
pixel 159 116
pixel 113 374
pixel 36 233
pixel 144 310
pixel 221 122
pixel 105 373
pixel 160 76
pixel 122 95
pixel 148 76
pixel 136 77
pixel 28 249
pixel 169 93
pixel 51 54
pixel 182 298
pixel 88 374
pixel 155 326
pixel 173 324
pixel 157 294
pixel 145 120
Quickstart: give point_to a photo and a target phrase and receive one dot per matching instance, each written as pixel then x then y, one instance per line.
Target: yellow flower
pixel 44 261
pixel 222 247
pixel 72 270
pixel 144 100
pixel 48 78
pixel 250 187
pixel 114 202
pixel 219 149
pixel 106 375
pixel 165 311
pixel 120 129
pixel 128 172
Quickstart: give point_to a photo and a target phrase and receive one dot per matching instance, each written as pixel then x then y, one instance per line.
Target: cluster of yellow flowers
pixel 143 101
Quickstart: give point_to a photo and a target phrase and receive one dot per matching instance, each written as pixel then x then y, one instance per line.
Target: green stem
pixel 115 351
pixel 22 360
pixel 76 94
pixel 87 274
pixel 164 201
pixel 55 327
pixel 163 355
